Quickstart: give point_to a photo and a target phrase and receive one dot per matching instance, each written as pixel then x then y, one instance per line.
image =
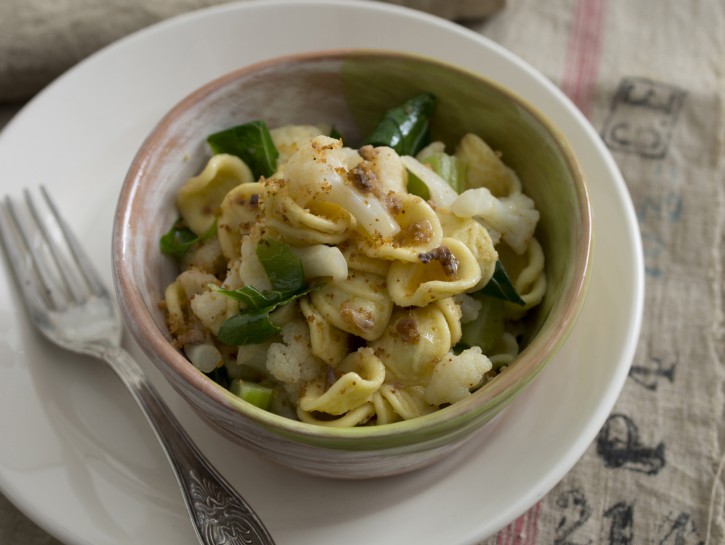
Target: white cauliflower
pixel 514 216
pixel 454 376
pixel 470 307
pixel 291 361
pixel 213 309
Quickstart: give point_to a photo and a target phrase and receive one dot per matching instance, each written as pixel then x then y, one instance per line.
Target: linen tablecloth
pixel 650 76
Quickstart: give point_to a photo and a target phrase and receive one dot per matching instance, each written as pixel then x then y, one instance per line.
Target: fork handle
pixel 219 514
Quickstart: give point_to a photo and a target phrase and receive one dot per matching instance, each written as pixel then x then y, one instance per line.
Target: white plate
pixel 76 454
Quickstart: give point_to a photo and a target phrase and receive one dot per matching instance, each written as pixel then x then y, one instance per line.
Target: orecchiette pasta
pixel 200 197
pixel 343 291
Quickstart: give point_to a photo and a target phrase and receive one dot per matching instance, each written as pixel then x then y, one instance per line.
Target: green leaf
pixel 450 168
pixel 251 298
pixel 500 286
pixel 488 327
pixel 179 239
pixel 416 186
pixel 247 328
pixel 406 128
pixel 334 133
pixel 252 325
pixel 282 265
pixel 252 143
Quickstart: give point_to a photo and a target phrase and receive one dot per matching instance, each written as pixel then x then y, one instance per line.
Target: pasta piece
pixel 384 411
pixel 515 216
pixel 476 238
pixel 420 231
pixel 414 341
pixel 441 194
pixel 485 168
pixel 238 212
pixel 504 352
pixel 327 342
pixel 359 304
pixel 527 276
pixel 359 261
pixel 449 269
pixel 200 196
pixel 318 222
pixel 408 402
pixel 194 281
pixel 362 375
pixel 289 138
pixel 452 312
pixel 356 417
pixel 174 303
pixel 388 168
pixel 320 261
pixel 455 375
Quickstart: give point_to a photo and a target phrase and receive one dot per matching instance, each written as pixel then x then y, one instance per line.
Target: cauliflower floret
pixel 320 171
pixel 454 376
pixel 213 309
pixel 250 270
pixel 291 361
pixel 515 216
pixel 470 307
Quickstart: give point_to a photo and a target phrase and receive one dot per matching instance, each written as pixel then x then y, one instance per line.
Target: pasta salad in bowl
pixel 350 261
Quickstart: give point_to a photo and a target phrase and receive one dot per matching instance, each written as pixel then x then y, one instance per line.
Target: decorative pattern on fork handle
pixel 220 520
pixel 220 515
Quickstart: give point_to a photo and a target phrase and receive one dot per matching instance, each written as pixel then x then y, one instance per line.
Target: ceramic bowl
pixel 351 90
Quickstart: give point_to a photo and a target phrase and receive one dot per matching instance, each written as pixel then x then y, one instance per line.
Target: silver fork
pixel 69 304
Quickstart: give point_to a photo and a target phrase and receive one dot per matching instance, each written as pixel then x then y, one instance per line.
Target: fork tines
pixel 45 256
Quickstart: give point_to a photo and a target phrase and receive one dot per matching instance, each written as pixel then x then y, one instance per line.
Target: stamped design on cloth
pixel 577 515
pixel 642 117
pixel 619 446
pixel 650 375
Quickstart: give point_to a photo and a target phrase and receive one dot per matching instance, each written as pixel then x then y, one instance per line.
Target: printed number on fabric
pixel 619 446
pixel 673 529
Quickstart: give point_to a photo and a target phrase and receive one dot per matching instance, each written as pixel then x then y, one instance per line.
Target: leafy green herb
pixel 252 325
pixel 406 128
pixel 179 239
pixel 334 133
pixel 500 286
pixel 488 327
pixel 248 327
pixel 282 265
pixel 252 143
pixel 450 168
pixel 416 186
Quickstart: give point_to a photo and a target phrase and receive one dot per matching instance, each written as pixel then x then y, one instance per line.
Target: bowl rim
pixel 527 364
